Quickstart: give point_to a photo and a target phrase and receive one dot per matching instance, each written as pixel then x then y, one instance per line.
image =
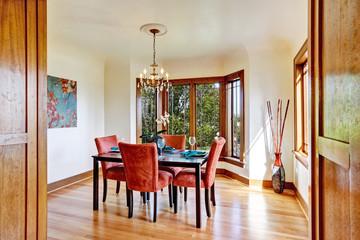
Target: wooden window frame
pixel 234 77
pixel 299 131
pixel 163 105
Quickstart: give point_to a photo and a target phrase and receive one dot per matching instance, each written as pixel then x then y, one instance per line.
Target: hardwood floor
pixel 241 213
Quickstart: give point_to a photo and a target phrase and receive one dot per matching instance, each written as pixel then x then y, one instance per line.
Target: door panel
pixel 335 152
pixel 12 185
pixel 22 119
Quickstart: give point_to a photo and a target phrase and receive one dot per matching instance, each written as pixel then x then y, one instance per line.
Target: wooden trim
pixel 239 75
pixel 314 13
pixel 10 139
pixel 192 116
pixel 251 182
pixel 302 158
pixel 267 184
pixel 42 118
pixel 138 115
pixel 31 124
pixel 235 75
pixel 202 80
pixel 233 161
pixel 302 202
pixel 336 151
pixel 70 180
pixel 299 60
pixel 223 119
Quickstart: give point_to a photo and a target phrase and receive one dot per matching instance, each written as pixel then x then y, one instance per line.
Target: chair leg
pixel 131 203
pixel 155 206
pixel 148 196
pixel 127 196
pixel 144 197
pixel 207 204
pixel 117 187
pixel 185 194
pixel 175 198
pixel 105 190
pixel 170 195
pixel 213 194
pixel 180 189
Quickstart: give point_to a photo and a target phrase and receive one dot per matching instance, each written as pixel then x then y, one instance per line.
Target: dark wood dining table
pixel 166 159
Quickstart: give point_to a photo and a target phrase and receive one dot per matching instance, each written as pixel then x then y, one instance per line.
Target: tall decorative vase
pixel 278 175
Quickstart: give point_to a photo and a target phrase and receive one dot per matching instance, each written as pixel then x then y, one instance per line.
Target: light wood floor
pixel 241 213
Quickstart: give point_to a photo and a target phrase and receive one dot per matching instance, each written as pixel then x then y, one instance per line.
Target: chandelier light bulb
pixel 162 71
pixel 144 71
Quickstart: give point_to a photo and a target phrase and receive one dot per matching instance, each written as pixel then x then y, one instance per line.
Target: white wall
pixel 301 180
pixel 70 149
pixel 117 98
pixel 270 78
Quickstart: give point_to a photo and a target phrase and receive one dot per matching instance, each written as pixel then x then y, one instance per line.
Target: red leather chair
pixel 110 170
pixel 142 172
pixel 177 142
pixel 186 178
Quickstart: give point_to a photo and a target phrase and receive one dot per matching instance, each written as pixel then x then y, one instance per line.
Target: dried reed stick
pixel 271 122
pixel 283 125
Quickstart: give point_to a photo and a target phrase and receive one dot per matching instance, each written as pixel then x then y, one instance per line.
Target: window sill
pixel 233 161
pixel 302 158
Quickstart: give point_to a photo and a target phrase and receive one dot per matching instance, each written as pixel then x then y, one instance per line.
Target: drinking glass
pixel 192 141
pixel 161 144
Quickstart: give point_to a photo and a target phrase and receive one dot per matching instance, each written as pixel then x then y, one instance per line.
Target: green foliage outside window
pixel 207 114
pixel 179 110
pixel 148 108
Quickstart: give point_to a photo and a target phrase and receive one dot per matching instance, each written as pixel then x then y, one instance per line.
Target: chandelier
pixel 155 77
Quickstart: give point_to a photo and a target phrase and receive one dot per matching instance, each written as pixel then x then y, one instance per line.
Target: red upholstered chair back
pixel 175 141
pixel 212 161
pixel 141 166
pixel 103 145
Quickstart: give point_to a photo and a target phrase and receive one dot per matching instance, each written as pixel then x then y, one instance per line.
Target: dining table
pixel 171 158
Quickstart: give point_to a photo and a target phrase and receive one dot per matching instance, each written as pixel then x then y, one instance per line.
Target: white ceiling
pixel 195 27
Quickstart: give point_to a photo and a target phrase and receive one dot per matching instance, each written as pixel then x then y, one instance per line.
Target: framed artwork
pixel 61 103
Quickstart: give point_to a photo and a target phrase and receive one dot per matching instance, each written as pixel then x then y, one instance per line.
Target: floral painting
pixel 61 103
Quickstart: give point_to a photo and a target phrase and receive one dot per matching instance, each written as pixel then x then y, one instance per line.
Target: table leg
pixel 198 195
pixel 95 185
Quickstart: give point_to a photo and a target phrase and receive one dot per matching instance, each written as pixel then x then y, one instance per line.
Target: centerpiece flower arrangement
pixel 154 137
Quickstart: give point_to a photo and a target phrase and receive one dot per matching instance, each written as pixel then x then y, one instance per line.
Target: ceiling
pixel 195 27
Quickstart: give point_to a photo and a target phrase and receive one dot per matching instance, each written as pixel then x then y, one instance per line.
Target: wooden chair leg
pixel 117 187
pixel 170 188
pixel 105 190
pixel 144 197
pixel 180 189
pixel 131 204
pixel 155 206
pixel 127 197
pixel 175 198
pixel 185 194
pixel 213 194
pixel 207 204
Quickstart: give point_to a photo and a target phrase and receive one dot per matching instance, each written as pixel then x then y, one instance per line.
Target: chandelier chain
pixel 154 50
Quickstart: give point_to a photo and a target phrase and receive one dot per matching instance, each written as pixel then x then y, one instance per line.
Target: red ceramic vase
pixel 278 175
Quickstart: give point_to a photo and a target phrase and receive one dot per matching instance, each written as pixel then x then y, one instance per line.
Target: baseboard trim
pixel 70 180
pixel 251 182
pixel 302 202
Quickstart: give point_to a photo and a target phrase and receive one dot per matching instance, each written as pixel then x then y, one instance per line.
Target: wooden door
pixel 23 119
pixel 335 139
